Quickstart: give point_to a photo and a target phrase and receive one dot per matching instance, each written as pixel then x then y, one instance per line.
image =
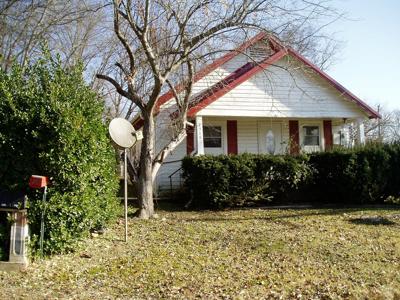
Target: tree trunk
pixel 145 184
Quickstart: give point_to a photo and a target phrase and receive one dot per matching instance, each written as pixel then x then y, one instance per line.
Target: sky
pixel 369 64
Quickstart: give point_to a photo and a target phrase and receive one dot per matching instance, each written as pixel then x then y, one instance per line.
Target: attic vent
pixel 259 52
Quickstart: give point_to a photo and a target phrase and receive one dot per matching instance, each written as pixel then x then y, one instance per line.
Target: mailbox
pixel 37 182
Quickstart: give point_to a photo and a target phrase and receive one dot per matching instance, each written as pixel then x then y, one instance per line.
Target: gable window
pixel 311 135
pixel 212 136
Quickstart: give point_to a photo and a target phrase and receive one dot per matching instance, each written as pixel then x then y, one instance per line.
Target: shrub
pixel 234 180
pixel 361 175
pixel 392 174
pixel 333 177
pixel 51 124
pixel 369 174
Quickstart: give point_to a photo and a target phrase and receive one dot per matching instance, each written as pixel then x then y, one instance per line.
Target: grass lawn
pixel 240 254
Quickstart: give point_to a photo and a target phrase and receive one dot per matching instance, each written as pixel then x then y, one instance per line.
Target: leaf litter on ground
pixel 237 254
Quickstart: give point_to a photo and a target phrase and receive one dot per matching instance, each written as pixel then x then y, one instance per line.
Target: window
pixel 212 136
pixel 311 135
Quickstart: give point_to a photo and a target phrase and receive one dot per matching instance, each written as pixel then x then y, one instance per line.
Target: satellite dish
pixel 122 133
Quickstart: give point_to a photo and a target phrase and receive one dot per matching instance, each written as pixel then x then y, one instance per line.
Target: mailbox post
pixel 38 182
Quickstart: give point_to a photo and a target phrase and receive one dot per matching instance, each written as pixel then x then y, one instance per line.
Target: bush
pixel 364 175
pixel 235 180
pixel 51 124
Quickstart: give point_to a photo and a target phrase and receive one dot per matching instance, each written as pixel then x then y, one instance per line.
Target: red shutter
pixel 328 135
pixel 231 126
pixel 189 140
pixel 294 141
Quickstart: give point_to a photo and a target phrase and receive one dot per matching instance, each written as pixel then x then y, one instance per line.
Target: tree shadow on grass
pixel 292 213
pixel 372 220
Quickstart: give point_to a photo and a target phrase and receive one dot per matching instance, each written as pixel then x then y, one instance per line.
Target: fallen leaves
pixel 243 254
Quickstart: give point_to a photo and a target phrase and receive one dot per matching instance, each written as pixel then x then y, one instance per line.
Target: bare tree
pixel 80 31
pixel 395 126
pixel 386 129
pixel 71 28
pixel 164 40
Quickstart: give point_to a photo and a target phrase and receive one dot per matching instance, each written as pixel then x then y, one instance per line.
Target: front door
pixel 270 137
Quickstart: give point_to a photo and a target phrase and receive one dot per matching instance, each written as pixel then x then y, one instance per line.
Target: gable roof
pixel 247 71
pixel 230 82
pixel 213 66
pixel 349 95
pixel 226 85
pixel 138 122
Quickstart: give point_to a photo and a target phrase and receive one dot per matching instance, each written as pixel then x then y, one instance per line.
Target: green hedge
pixel 369 174
pixel 364 175
pixel 224 181
pixel 51 124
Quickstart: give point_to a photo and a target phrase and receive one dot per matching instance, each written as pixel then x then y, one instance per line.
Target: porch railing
pixel 171 187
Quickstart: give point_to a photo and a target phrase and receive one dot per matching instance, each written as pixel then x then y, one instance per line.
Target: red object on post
pixel 37 181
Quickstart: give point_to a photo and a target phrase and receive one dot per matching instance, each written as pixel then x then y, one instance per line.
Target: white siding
pixel 212 78
pixel 164 134
pixel 247 135
pixel 251 135
pixel 277 92
pixel 164 129
pixel 219 74
pixel 172 163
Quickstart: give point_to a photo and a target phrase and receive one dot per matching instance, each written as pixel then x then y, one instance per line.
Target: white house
pixel 261 98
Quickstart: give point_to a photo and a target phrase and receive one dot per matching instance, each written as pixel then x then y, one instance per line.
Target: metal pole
pixel 42 221
pixel 126 192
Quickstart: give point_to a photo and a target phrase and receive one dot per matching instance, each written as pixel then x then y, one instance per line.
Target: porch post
pixel 199 135
pixel 360 132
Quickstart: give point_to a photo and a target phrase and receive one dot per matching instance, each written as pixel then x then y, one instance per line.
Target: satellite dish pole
pixel 126 192
pixel 124 136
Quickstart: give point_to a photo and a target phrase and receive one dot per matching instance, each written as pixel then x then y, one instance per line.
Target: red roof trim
pixel 204 103
pixel 220 91
pixel 372 113
pixel 231 85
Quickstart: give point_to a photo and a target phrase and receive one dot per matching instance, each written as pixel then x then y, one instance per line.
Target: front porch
pixel 216 135
pixel 227 135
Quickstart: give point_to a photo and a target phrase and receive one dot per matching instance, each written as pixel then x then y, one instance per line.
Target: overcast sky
pixel 369 65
